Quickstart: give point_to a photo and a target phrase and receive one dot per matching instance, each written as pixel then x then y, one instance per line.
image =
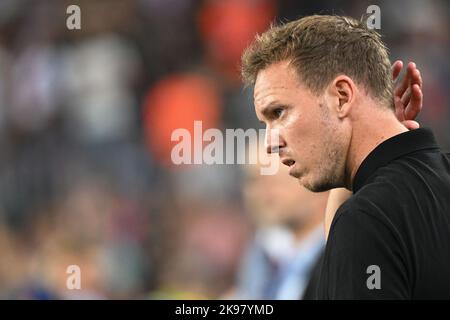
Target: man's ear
pixel 342 92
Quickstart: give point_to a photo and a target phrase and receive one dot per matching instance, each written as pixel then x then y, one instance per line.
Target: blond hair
pixel 321 47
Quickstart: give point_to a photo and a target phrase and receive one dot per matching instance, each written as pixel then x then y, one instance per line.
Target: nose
pixel 272 141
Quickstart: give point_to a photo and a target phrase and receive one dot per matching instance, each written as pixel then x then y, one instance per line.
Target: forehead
pixel 276 79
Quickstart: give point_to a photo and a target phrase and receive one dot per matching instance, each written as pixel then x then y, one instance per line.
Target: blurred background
pixel 85 123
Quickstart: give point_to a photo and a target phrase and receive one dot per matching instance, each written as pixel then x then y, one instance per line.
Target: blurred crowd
pixel 86 118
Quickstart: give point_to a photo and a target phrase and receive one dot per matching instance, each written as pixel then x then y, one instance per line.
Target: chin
pixel 316 186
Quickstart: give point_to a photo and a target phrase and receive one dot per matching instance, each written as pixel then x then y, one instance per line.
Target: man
pixel 323 88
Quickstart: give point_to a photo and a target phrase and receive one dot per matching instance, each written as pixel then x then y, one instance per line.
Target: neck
pixel 367 134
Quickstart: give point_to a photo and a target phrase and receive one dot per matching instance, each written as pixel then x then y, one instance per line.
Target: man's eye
pixel 278 112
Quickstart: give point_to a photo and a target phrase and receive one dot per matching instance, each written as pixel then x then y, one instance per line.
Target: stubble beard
pixel 329 173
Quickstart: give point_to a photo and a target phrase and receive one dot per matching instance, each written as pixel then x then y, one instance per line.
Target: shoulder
pixel 359 239
pixel 361 217
pixel 386 196
pixel 373 202
pixel 364 221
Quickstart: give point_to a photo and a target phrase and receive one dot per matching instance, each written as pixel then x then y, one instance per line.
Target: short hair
pixel 322 47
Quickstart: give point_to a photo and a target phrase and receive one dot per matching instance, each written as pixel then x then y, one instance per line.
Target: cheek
pixel 302 139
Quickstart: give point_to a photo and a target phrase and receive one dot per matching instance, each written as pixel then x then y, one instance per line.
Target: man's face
pixel 311 141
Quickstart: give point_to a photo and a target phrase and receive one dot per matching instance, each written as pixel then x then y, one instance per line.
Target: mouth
pixel 288 162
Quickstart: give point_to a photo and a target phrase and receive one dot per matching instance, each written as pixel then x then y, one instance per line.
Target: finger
pixel 396 69
pixel 413 74
pixel 406 97
pixel 411 124
pixel 415 105
pixel 411 67
pixel 399 108
pixel 403 85
pixel 416 78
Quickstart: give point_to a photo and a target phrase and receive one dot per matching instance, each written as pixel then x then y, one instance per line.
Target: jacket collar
pixel 391 149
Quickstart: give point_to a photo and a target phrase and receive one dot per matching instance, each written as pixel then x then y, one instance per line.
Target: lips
pixel 291 164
